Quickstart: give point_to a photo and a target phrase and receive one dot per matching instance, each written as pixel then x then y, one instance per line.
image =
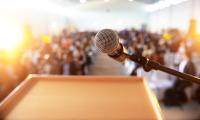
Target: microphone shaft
pixel 149 65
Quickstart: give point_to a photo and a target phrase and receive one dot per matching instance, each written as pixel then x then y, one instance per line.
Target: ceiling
pixel 75 2
pixel 93 5
pixel 148 1
pixel 78 1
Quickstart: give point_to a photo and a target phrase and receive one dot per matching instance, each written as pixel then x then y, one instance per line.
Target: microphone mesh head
pixel 107 41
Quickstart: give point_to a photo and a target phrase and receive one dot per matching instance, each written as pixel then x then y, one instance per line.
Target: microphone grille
pixel 107 41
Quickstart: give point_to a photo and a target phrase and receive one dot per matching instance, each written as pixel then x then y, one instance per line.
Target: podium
pixel 81 97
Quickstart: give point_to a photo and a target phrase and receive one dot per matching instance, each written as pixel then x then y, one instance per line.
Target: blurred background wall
pixel 50 16
pixel 175 16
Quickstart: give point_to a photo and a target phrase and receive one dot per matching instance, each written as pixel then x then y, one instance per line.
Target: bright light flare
pixel 11 35
pixel 106 0
pixel 83 1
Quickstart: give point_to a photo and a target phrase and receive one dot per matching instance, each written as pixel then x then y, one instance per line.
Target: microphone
pixel 107 41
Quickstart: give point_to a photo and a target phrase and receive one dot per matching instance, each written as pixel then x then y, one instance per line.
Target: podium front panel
pixel 81 97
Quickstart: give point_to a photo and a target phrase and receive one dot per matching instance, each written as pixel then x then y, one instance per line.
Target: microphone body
pixel 118 54
pixel 107 41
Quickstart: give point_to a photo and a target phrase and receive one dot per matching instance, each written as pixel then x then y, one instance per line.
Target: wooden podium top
pixel 80 97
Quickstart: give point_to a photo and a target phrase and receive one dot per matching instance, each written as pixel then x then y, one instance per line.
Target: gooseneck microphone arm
pixel 107 41
pixel 148 65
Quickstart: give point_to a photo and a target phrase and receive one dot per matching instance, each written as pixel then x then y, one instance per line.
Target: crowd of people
pixel 69 53
pixel 72 53
pixel 172 49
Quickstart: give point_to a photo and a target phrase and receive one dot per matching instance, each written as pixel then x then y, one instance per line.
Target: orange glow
pixel 11 35
pixel 192 30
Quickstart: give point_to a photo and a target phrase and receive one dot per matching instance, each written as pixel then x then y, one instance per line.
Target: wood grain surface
pixel 80 97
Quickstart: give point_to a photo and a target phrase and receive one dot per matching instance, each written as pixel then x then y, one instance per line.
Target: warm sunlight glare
pixel 10 35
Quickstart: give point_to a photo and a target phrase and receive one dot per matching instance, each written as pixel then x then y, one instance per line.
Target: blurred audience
pixel 169 48
pixel 74 53
pixel 64 54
